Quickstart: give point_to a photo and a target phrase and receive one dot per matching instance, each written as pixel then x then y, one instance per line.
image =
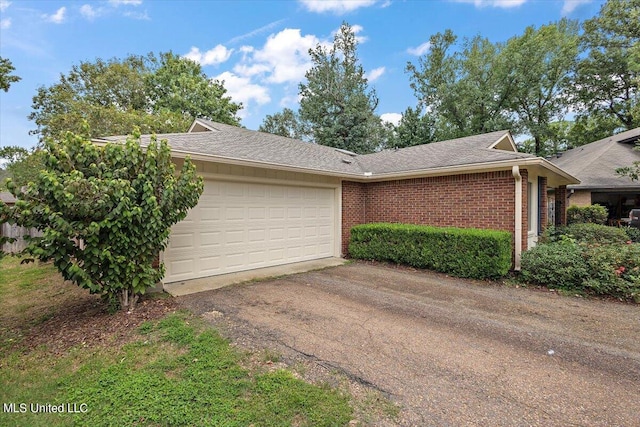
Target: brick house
pixel 270 200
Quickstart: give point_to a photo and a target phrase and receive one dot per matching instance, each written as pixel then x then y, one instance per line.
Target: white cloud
pixel 283 58
pixel 240 89
pixel 391 118
pixel 58 17
pixel 89 12
pixel 494 3
pixel 338 7
pixel 217 55
pixel 420 50
pixel 125 2
pixel 141 16
pixel 571 5
pixel 4 4
pixel 375 74
pixel 5 23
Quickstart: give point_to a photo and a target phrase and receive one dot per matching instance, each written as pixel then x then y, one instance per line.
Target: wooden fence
pixel 8 230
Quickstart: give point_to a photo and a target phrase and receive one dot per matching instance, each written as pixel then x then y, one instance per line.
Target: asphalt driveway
pixel 449 352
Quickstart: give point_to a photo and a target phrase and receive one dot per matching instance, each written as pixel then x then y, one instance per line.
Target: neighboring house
pixel 595 166
pixel 270 200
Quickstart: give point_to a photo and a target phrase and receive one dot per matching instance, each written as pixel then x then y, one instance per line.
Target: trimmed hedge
pixel 462 252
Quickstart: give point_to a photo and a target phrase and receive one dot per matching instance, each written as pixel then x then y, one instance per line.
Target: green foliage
pixel 473 253
pixel 6 78
pixel 555 265
pixel 336 101
pixel 286 123
pixel 540 61
pixel 607 79
pixel 466 92
pixel 415 128
pixel 157 382
pixel 595 214
pixel 610 268
pixel 117 95
pixel 23 166
pixel 633 233
pixel 586 233
pixel 105 212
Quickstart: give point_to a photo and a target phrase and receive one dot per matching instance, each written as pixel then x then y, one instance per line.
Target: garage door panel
pixel 238 226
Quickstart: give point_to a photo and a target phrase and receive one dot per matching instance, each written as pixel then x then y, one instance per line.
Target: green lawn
pixel 173 371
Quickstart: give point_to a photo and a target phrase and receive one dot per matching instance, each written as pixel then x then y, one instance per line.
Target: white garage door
pixel 240 226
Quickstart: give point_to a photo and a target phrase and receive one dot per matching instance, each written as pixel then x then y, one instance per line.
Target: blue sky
pixel 259 48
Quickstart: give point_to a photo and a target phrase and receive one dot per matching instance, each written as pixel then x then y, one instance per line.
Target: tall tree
pixel 415 128
pixel 6 78
pixel 285 123
pixel 154 94
pixel 607 80
pixel 336 100
pixel 540 62
pixel 21 165
pixel 466 91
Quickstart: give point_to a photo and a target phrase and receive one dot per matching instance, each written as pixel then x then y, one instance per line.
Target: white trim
pixel 518 218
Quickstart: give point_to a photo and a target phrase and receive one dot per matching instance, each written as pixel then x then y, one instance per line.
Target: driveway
pixel 449 352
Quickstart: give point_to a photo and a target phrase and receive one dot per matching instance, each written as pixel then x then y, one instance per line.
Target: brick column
pixel 561 206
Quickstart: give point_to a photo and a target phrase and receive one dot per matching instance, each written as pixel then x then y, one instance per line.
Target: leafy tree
pixel 6 78
pixel 539 63
pixel 467 91
pixel 336 100
pixel 414 129
pixel 285 123
pixel 22 165
pixel 178 85
pixel 607 80
pixel 154 94
pixel 632 171
pixel 105 212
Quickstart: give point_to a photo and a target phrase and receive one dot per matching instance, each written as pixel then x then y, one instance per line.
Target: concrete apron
pixel 215 282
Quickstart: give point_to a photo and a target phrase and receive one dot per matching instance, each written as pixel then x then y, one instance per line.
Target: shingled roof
pixel 220 142
pixel 595 164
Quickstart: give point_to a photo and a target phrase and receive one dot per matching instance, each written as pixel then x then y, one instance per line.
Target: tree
pixel 178 85
pixel 22 165
pixel 414 129
pixel 607 80
pixel 336 100
pixel 154 94
pixel 6 78
pixel 285 123
pixel 540 62
pixel 105 212
pixel 466 92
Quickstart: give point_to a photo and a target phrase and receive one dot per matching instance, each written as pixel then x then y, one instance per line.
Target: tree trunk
pixel 127 300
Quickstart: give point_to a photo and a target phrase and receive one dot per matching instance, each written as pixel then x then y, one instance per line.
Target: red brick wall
pixel 478 200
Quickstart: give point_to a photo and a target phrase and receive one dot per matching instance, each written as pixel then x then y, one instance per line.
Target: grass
pixel 176 371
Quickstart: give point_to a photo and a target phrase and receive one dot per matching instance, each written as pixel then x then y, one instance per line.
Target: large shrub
pixel 598 269
pixel 105 212
pixel 595 233
pixel 633 233
pixel 594 214
pixel 460 252
pixel 555 265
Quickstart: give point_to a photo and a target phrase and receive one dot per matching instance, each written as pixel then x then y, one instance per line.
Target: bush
pixel 595 233
pixel 594 214
pixel 472 253
pixel 633 233
pixel 598 269
pixel 555 265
